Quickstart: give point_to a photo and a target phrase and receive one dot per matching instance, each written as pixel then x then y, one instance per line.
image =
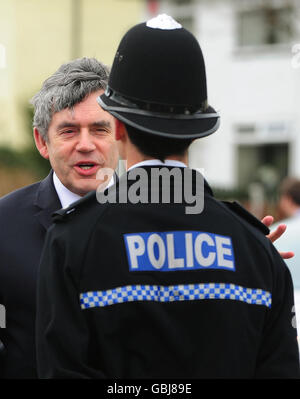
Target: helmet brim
pixel 173 126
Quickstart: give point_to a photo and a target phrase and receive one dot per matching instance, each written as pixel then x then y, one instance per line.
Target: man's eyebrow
pixel 101 124
pixel 64 124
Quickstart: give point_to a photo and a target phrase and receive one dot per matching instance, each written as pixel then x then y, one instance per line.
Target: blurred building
pixel 252 53
pixel 37 36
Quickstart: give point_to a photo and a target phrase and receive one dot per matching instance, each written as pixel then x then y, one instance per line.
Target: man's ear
pixel 40 143
pixel 121 131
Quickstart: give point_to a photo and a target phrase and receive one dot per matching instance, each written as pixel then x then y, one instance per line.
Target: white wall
pixel 257 85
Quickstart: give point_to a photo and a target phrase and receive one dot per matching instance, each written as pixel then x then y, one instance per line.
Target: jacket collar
pixel 207 189
pixel 46 201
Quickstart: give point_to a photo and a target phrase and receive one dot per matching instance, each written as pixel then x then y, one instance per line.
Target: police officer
pixel 155 277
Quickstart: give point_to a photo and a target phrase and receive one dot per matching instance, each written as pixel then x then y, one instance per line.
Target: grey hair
pixel 69 85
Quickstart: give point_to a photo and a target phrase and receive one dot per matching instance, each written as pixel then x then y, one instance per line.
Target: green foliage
pixel 35 162
pixel 28 158
pixel 11 158
pixel 235 194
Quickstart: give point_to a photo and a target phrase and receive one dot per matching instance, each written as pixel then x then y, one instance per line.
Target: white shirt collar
pixel 66 196
pixel 152 162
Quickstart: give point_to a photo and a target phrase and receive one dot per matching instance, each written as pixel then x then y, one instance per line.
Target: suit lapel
pixel 46 201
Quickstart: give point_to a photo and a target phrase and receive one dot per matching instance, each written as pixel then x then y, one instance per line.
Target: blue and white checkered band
pixel 172 293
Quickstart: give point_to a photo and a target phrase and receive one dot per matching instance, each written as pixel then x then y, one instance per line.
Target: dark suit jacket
pixel 25 216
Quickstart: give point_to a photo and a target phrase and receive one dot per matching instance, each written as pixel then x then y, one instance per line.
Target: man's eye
pixel 68 131
pixel 101 131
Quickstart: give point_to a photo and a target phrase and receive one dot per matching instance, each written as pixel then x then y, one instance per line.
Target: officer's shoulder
pixel 247 218
pixel 86 205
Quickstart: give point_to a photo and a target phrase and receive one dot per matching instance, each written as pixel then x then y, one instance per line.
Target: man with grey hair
pixel 72 131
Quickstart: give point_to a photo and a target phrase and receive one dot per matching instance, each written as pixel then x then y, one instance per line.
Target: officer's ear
pixel 40 143
pixel 121 132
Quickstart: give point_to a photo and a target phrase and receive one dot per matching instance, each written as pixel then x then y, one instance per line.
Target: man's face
pixel 80 142
pixel 286 206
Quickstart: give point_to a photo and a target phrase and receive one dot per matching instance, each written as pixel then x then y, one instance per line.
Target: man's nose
pixel 85 142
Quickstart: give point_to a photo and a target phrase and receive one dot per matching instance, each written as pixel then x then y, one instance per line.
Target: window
pixel 266 164
pixel 187 22
pixel 246 129
pixel 182 2
pixel 265 25
pixel 183 11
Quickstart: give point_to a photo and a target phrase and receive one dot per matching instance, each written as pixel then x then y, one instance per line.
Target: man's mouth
pixel 86 168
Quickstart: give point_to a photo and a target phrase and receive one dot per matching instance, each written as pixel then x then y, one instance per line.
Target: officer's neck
pixel 135 157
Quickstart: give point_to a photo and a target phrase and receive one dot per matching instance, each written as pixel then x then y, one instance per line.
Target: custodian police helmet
pixel 158 82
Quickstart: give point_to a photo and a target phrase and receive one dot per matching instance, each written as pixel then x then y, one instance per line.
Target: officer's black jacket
pixel 188 337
